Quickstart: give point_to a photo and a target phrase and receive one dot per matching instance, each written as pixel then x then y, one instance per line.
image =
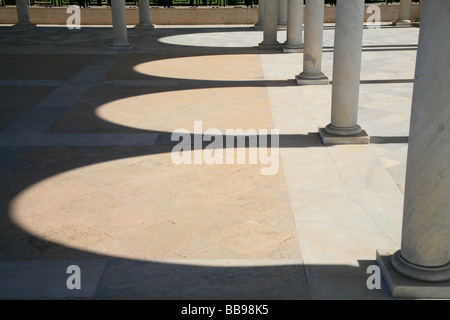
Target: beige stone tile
pixel 156 208
pixel 231 67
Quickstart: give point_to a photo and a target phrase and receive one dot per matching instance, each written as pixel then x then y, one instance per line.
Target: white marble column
pixel 404 17
pixel 260 23
pixel 346 69
pixel 425 247
pixel 144 15
pixel 312 51
pixel 270 26
pixel 282 13
pixel 119 21
pixel 23 16
pixel 294 42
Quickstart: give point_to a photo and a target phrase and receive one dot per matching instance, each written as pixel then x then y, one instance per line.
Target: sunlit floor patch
pixel 169 211
pixel 217 39
pixel 219 108
pixel 238 67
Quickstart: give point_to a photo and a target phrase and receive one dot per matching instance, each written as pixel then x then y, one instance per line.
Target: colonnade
pixel 425 247
pixel 119 21
pixel 404 17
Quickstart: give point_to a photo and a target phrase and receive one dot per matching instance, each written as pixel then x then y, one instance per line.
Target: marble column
pixel 23 16
pixel 404 18
pixel 312 51
pixel 119 21
pixel 282 13
pixel 260 23
pixel 346 74
pixel 425 249
pixel 294 42
pixel 270 26
pixel 417 21
pixel 144 15
pixel 421 268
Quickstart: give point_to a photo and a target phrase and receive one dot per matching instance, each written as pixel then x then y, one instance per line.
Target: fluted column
pixel 260 23
pixel 312 51
pixel 282 13
pixel 347 71
pixel 119 21
pixel 294 42
pixel 23 16
pixel 144 15
pixel 404 18
pixel 270 26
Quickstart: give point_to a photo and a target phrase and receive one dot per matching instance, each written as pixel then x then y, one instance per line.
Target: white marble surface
pixel 347 67
pixel 426 229
pixel 295 24
pixel 312 54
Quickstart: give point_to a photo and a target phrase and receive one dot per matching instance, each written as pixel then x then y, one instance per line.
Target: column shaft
pixel 405 12
pixel 260 22
pixel 312 51
pixel 425 248
pixel 23 15
pixel 119 21
pixel 270 26
pixel 295 27
pixel 347 68
pixel 144 15
pixel 420 11
pixel 282 12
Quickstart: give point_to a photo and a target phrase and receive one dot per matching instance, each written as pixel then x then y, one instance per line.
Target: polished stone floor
pixel 87 177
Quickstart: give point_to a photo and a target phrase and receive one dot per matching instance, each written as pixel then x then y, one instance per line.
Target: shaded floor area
pixel 87 176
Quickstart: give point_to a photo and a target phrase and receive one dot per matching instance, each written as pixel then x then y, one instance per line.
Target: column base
pixel 292 49
pixel 144 26
pixel 401 286
pixel 24 26
pixel 402 23
pixel 282 26
pixel 269 46
pixel 312 79
pixel 430 274
pixel 332 139
pixel 119 47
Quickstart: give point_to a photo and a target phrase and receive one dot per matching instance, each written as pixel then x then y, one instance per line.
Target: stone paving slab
pixel 48 279
pixel 204 279
pixel 87 177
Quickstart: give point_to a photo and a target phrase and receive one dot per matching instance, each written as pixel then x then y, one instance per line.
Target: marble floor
pixel 87 177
